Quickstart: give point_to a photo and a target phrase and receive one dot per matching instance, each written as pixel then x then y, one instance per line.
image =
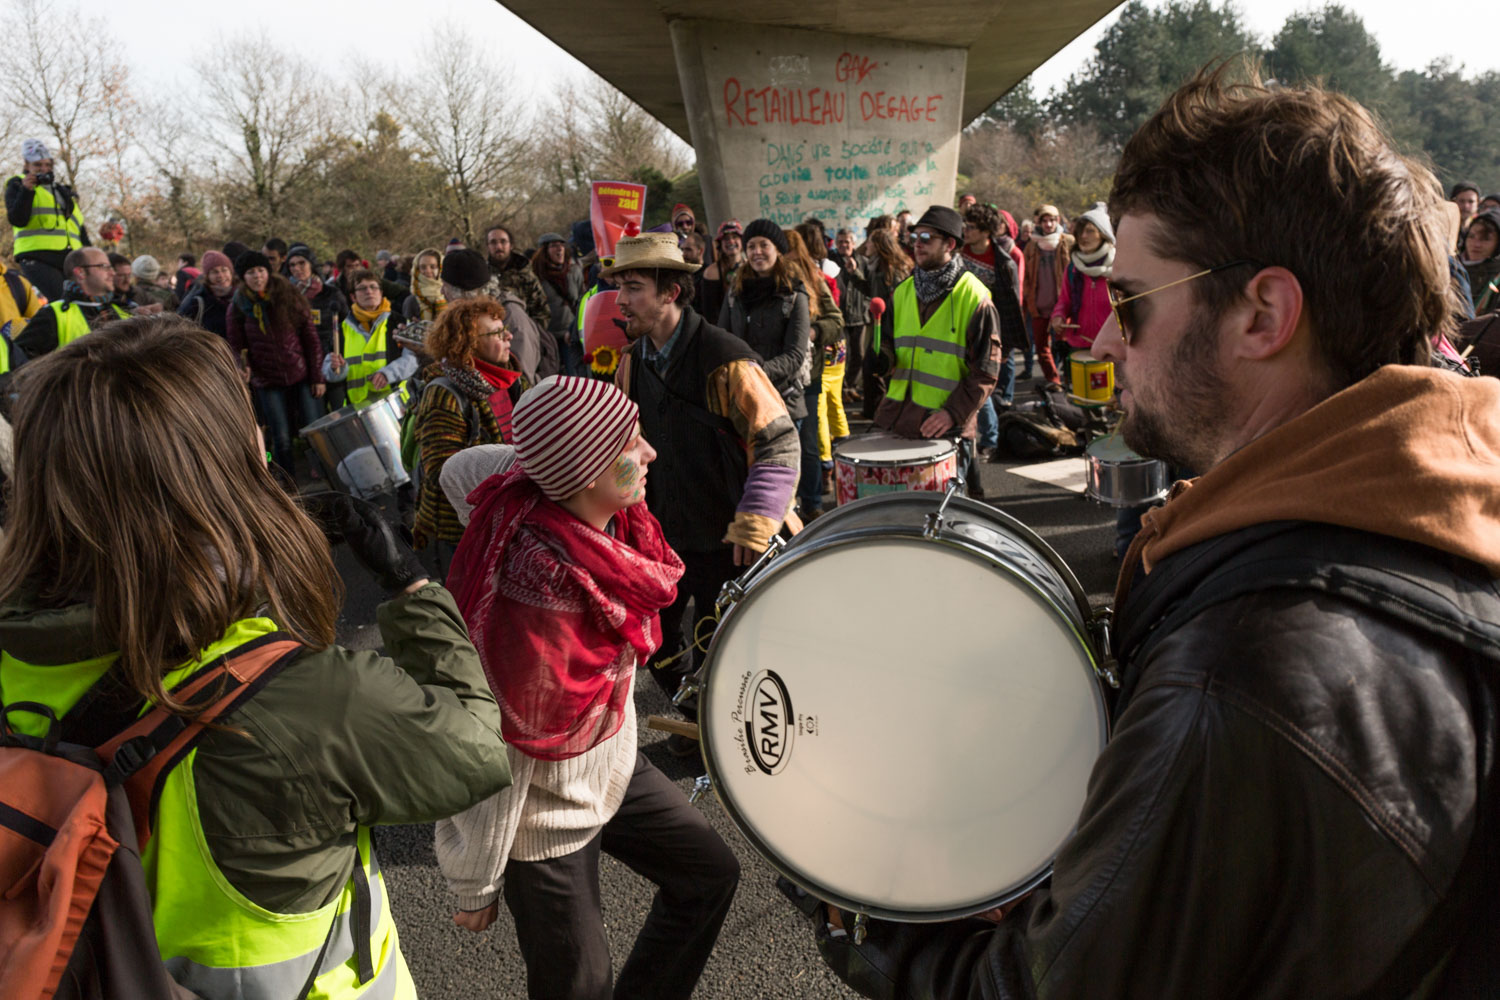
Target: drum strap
pixel 722 425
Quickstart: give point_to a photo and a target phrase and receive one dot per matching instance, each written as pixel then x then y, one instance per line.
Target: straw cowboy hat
pixel 647 251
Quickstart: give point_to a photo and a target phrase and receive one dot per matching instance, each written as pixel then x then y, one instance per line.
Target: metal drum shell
pixel 1124 482
pixel 372 430
pixel 973 529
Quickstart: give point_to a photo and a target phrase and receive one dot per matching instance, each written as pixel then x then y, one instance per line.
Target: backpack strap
pixel 465 406
pixel 144 753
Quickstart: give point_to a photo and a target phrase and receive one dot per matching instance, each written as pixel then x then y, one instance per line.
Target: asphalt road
pixel 766 949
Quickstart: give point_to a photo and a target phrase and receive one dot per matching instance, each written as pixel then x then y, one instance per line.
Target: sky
pixel 161 48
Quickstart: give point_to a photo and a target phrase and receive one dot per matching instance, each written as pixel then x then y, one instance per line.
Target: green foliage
pixel 1142 58
pixel 1439 114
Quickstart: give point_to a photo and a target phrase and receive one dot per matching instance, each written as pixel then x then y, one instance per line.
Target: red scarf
pixel 560 612
pixel 500 379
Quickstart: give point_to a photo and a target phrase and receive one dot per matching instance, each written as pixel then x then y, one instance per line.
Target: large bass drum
pixel 900 710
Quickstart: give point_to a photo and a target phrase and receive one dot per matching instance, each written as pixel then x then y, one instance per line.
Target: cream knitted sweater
pixel 552 807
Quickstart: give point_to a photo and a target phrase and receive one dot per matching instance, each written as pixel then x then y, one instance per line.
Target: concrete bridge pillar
pixel 788 123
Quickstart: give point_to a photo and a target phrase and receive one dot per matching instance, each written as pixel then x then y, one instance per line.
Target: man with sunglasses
pixel 947 339
pixel 1298 798
pixel 85 304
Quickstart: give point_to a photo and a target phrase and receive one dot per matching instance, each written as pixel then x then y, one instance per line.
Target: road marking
pixel 1067 473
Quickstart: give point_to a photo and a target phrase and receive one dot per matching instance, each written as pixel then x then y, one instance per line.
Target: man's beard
pixel 1182 428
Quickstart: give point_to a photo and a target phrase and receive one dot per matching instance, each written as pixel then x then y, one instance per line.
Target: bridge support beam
pixel 789 123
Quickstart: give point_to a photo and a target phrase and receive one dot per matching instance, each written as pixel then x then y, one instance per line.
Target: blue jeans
pixel 280 405
pixel 988 420
pixel 810 486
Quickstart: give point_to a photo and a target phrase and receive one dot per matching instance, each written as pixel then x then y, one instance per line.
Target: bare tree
pixel 55 72
pixel 623 138
pixel 468 121
pixel 248 86
pixel 121 173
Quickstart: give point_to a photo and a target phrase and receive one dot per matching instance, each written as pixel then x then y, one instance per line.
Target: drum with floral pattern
pixel 885 463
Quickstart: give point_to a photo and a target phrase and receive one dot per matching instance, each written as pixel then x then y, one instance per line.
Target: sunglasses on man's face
pixel 1119 302
pixel 926 237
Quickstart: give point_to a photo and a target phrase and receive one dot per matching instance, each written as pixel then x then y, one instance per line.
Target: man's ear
pixel 1272 308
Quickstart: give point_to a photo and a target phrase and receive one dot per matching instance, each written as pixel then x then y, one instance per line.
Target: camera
pixel 44 178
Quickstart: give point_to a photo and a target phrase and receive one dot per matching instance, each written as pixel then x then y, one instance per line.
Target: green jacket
pixel 337 740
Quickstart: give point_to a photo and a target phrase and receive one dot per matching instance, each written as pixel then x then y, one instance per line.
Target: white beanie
pixel 145 267
pixel 568 431
pixel 34 151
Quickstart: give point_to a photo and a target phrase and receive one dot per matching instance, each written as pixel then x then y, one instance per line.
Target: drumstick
pixel 677 727
pixel 1465 355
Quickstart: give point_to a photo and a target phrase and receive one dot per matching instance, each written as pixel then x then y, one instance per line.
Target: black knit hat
pixel 466 270
pixel 945 220
pixel 249 259
pixel 304 251
pixel 771 231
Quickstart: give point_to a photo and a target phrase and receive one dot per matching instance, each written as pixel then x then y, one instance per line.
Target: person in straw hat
pixel 583 572
pixel 728 454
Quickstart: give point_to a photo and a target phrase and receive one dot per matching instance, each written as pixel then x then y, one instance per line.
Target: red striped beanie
pixel 568 431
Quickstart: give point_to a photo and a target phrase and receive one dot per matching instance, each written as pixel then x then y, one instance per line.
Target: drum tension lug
pixel 1104 639
pixel 734 590
pixel 701 784
pixel 861 928
pixel 690 686
pixel 933 524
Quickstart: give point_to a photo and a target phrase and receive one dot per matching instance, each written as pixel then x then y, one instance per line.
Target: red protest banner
pixel 616 209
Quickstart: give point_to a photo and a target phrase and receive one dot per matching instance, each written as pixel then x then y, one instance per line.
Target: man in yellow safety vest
pixel 83 306
pixel 947 340
pixel 46 222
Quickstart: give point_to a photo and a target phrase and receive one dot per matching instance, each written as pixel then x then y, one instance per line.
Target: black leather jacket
pixel 1288 794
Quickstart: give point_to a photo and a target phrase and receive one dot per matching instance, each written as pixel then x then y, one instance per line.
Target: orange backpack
pixel 75 809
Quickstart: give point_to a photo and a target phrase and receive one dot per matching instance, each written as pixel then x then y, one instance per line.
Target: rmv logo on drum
pixel 769 729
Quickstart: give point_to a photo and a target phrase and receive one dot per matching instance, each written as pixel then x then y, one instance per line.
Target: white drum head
pixel 884 447
pixel 903 728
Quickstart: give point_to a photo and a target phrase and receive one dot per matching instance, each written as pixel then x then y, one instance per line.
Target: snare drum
pixel 884 463
pixel 362 445
pixel 928 762
pixel 1118 477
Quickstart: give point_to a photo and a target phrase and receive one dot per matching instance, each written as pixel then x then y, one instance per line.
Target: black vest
pixel 699 474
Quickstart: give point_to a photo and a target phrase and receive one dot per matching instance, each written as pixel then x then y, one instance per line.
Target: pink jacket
pixel 1092 311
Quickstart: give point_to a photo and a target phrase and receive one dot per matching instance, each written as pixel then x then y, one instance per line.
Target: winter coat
pixel 778 327
pixel 1032 259
pixel 206 309
pixel 1085 301
pixel 277 357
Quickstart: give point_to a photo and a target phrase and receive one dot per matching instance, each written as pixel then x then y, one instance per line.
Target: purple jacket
pixel 278 357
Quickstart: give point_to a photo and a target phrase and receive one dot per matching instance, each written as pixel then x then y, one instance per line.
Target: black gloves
pixel 359 524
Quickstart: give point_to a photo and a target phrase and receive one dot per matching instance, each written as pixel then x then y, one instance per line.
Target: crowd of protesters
pixel 505 710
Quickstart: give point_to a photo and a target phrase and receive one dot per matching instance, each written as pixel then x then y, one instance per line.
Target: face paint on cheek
pixel 627 477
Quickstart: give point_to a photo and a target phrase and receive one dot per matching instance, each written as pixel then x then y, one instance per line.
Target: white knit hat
pixel 568 431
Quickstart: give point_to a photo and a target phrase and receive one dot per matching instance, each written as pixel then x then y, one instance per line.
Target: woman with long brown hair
pixel 770 307
pixel 270 326
pixel 469 393
pixel 146 540
pixel 889 266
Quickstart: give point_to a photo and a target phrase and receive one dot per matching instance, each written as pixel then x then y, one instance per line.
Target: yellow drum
pixel 1091 379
